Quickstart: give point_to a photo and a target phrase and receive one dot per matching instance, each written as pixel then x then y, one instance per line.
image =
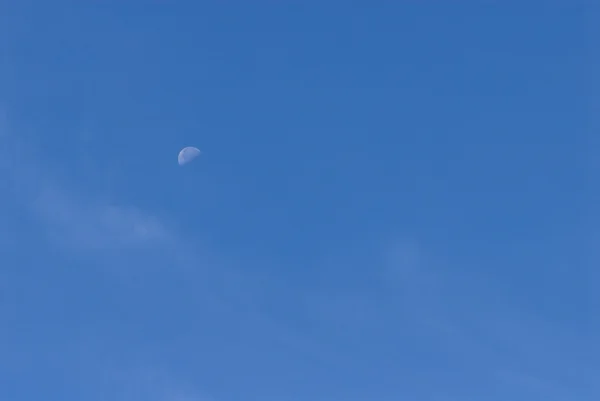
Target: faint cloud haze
pixel 95 226
pixel 402 260
pixel 483 325
pixel 72 219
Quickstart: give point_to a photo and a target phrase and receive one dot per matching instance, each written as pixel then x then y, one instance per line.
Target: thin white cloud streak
pixel 72 219
pixel 95 226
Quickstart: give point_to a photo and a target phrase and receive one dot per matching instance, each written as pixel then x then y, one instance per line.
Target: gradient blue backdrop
pixel 392 202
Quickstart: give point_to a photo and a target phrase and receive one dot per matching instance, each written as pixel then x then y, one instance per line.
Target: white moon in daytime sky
pixel 187 154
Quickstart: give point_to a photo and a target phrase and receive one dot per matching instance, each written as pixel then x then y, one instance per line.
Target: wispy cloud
pixel 73 219
pixel 93 225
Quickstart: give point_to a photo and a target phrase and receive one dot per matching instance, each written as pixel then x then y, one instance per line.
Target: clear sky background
pixel 392 204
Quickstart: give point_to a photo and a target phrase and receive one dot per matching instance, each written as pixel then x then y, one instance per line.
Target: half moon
pixel 187 154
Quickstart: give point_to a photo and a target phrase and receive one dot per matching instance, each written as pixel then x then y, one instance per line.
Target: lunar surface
pixel 187 154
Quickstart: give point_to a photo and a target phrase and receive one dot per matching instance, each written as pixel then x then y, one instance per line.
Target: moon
pixel 187 154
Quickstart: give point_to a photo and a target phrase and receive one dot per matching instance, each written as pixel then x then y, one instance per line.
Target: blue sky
pixel 392 203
